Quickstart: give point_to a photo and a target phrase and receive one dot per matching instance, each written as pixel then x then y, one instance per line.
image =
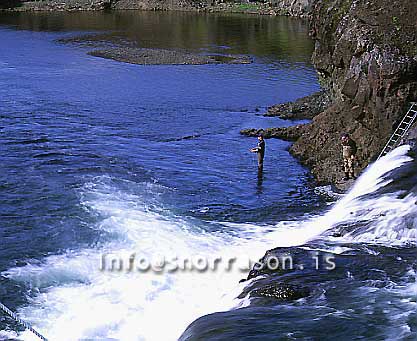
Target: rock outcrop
pixel 165 57
pixel 292 133
pixel 366 56
pixel 302 108
pixel 295 8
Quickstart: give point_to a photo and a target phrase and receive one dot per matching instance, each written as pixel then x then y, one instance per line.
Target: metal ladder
pixel 401 130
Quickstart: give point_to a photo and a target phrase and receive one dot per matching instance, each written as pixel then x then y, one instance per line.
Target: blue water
pixel 70 120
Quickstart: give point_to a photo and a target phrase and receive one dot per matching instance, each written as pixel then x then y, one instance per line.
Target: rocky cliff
pixel 366 56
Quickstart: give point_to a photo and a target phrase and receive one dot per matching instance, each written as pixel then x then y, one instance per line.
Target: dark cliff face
pixel 366 54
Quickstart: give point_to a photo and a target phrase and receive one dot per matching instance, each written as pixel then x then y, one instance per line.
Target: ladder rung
pixel 401 130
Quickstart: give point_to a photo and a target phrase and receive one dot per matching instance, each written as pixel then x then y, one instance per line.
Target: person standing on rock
pixel 260 150
pixel 349 154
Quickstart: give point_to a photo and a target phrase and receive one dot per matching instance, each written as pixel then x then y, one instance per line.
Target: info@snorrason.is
pixel 130 262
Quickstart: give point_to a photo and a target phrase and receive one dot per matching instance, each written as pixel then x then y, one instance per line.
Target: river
pixel 106 158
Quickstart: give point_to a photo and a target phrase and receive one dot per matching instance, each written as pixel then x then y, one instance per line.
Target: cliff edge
pixel 366 56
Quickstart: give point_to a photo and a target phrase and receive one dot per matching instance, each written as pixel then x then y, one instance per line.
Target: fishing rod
pixel 20 321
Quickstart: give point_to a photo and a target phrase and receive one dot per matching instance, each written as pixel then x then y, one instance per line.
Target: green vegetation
pixel 247 6
pixel 396 23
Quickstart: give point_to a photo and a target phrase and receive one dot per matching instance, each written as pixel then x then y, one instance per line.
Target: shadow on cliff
pixel 4 4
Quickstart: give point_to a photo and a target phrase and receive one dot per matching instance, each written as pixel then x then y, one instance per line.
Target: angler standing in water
pixel 260 150
pixel 349 149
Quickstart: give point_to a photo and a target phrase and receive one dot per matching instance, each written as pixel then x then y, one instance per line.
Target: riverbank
pixel 298 8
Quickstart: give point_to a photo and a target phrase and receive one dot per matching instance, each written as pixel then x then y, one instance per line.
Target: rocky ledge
pixel 303 108
pixel 292 133
pixel 300 276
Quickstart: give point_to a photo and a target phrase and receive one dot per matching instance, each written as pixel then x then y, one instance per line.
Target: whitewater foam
pixel 76 300
pixel 79 301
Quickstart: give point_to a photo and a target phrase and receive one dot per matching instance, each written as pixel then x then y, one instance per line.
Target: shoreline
pixel 293 9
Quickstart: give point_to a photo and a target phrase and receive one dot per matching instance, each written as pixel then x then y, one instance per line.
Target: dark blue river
pixel 100 157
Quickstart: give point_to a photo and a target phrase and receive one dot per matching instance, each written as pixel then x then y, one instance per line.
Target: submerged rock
pixel 280 292
pixel 272 298
pixel 165 57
